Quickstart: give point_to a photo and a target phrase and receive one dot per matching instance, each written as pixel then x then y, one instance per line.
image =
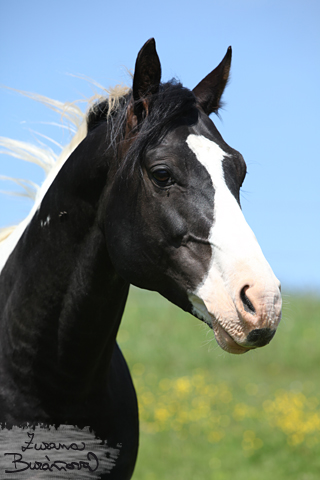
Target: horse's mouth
pixel 226 342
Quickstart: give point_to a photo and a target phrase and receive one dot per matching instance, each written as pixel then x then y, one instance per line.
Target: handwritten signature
pixel 91 463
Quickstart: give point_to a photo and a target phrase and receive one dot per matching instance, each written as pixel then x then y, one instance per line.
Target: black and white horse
pixel 150 197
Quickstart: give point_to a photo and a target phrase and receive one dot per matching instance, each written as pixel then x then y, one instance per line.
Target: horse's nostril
pixel 247 304
pixel 260 337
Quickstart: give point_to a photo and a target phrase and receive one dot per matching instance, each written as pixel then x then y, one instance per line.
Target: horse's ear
pixel 146 79
pixel 209 91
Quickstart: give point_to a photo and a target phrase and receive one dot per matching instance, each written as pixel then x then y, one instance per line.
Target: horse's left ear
pixel 209 91
pixel 146 79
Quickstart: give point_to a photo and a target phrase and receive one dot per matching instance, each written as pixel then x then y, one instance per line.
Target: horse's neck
pixel 61 299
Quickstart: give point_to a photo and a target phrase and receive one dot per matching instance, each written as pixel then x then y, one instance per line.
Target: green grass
pixel 206 414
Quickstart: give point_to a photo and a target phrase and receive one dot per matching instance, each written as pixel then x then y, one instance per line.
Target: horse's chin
pixel 223 338
pixel 226 342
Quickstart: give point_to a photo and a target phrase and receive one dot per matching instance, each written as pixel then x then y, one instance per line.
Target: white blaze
pixel 237 259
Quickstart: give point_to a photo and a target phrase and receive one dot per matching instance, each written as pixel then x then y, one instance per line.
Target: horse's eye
pixel 162 177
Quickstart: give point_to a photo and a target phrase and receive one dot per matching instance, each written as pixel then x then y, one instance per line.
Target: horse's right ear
pixel 146 81
pixel 209 91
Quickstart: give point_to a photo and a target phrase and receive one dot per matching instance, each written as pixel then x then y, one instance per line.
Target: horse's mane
pixel 71 117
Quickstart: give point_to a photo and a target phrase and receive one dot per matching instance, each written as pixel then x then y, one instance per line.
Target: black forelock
pixel 173 105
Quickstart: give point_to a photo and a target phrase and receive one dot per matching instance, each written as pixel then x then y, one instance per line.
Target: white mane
pixel 46 158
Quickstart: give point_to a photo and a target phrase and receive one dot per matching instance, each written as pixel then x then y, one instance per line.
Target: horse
pixel 150 197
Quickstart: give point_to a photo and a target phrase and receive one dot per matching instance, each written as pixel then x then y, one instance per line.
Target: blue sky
pixel 272 102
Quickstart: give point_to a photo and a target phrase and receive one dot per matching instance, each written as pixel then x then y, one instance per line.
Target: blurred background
pixel 255 416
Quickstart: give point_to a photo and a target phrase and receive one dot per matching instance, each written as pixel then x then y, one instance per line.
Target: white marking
pixel 228 217
pixel 230 232
pixel 237 258
pixel 45 222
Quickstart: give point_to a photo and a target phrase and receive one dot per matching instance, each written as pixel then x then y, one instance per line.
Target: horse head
pixel 174 222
